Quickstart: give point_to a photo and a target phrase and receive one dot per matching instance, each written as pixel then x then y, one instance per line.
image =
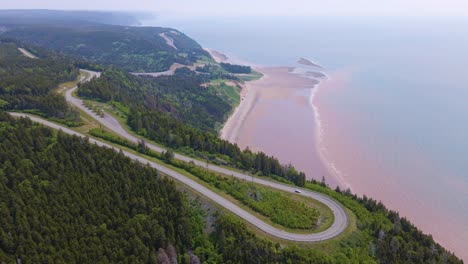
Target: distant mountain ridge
pixel 19 16
pixel 136 49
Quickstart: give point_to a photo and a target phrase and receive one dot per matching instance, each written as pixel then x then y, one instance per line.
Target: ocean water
pixel 395 112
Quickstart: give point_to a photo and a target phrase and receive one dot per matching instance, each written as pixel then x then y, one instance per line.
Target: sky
pixel 194 8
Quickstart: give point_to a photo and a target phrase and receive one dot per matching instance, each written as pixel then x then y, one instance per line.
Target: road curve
pixel 340 217
pixel 337 227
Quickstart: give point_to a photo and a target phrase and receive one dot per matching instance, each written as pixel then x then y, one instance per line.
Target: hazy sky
pixel 259 7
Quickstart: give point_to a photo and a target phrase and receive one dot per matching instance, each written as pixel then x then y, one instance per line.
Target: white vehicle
pixel 297 191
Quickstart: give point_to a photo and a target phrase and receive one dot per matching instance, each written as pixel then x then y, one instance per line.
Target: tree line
pixel 234 68
pixel 178 135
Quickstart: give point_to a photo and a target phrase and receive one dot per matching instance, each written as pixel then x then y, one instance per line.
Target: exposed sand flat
pixel 169 40
pixel 307 62
pixel 231 128
pixel 275 116
pixel 27 53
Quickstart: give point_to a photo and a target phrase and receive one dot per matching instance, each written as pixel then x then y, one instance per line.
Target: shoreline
pixel 238 127
pixel 234 122
pixel 319 140
pixel 236 119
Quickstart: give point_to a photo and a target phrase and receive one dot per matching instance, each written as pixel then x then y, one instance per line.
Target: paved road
pixel 337 227
pixel 340 217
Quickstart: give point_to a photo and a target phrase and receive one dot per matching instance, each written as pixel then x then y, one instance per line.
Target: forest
pixel 177 112
pixel 134 49
pixel 381 235
pixel 233 68
pixel 28 84
pixel 178 135
pixel 63 200
pixel 179 96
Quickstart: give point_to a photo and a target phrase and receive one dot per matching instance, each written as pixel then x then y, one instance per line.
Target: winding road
pixel 340 217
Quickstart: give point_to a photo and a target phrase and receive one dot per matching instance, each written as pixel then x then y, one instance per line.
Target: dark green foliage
pixel 27 84
pixel 180 95
pixel 168 155
pixel 233 68
pixel 137 49
pixel 170 132
pixel 179 113
pixel 216 72
pixel 65 200
pixel 238 245
pixel 279 208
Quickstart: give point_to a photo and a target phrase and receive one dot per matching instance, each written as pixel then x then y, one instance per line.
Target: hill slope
pixel 28 84
pixel 136 49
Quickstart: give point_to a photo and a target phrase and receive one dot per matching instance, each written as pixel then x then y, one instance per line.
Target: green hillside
pixel 64 200
pixel 28 84
pixel 136 49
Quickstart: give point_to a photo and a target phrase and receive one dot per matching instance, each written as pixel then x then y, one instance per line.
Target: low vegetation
pixel 279 208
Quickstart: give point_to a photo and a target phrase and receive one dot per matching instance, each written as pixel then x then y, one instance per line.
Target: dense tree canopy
pixel 65 200
pixel 27 83
pixel 180 96
pixel 234 68
pixel 179 113
pixel 172 133
pixel 137 49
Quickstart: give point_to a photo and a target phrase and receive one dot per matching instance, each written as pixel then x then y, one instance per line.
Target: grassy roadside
pixel 326 246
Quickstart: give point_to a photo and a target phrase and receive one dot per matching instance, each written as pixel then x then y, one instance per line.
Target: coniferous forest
pixel 177 112
pixel 65 200
pixel 29 83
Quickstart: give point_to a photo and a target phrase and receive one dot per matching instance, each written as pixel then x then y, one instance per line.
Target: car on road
pixel 297 191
